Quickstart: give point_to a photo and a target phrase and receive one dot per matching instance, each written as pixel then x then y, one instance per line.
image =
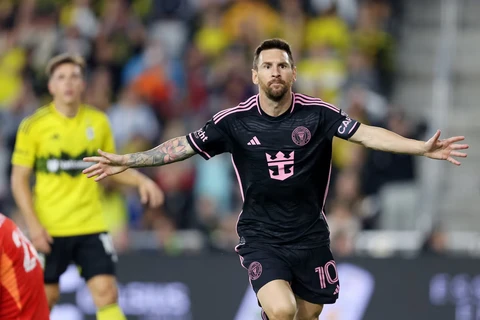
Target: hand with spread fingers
pixel 445 149
pixel 107 164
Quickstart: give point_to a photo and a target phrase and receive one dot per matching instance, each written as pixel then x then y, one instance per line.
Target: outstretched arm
pixel 107 164
pixel 173 150
pixel 385 140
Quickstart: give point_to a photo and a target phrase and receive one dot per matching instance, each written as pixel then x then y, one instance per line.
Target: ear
pixel 294 74
pixel 254 76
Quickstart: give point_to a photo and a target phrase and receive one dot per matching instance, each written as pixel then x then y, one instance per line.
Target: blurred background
pixel 162 68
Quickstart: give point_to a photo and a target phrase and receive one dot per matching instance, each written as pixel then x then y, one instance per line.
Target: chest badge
pixel 301 136
pixel 90 133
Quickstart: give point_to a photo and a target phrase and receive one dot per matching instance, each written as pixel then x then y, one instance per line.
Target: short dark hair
pixel 273 44
pixel 63 58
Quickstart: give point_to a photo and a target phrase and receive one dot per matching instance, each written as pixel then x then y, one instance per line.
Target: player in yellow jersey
pixel 64 214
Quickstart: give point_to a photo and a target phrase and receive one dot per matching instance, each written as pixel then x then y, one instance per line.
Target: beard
pixel 275 94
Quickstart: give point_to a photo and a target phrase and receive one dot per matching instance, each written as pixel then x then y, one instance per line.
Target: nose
pixel 275 73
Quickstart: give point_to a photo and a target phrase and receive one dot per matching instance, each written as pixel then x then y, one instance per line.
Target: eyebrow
pixel 66 74
pixel 282 62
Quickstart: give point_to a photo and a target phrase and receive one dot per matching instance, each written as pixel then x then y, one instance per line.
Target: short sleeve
pixel 339 124
pixel 209 140
pixel 24 153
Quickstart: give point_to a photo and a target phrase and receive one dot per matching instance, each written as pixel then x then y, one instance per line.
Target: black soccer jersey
pixel 283 166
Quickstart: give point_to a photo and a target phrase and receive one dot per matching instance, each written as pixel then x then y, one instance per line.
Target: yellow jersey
pixel 67 203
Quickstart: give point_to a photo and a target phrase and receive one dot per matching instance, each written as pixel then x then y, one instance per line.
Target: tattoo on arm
pixel 173 150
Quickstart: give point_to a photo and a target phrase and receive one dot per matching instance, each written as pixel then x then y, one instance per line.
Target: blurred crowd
pixel 161 69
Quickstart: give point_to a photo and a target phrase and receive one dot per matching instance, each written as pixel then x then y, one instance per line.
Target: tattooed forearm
pixel 173 150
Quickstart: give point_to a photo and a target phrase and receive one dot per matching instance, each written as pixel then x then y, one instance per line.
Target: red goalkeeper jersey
pixel 22 295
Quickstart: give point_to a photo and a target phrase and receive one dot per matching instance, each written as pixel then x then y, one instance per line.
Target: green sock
pixel 110 312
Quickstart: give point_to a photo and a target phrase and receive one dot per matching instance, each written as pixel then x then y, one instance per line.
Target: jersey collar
pixel 62 116
pixel 280 117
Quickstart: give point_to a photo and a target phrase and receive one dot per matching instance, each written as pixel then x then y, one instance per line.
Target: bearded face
pixel 275 89
pixel 274 74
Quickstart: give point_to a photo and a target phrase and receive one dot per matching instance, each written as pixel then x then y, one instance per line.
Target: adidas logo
pixel 254 142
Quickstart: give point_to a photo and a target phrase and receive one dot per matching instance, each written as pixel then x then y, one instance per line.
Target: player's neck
pixel 275 108
pixel 69 110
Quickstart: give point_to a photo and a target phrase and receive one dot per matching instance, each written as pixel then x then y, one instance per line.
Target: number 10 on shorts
pixel 324 273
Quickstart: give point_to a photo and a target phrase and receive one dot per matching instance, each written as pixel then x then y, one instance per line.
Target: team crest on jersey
pixel 255 270
pixel 90 133
pixel 301 136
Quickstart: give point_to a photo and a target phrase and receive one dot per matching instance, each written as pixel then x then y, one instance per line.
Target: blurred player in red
pixel 22 295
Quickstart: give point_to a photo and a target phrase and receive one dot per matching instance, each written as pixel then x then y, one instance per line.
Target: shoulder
pixel 244 108
pixel 93 111
pixel 304 101
pixel 94 114
pixel 33 120
pixel 2 219
pixel 6 223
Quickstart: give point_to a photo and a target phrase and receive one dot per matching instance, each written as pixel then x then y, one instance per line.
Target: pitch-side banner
pixel 216 287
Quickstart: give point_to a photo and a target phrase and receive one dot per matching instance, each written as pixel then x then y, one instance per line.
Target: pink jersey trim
pixel 198 148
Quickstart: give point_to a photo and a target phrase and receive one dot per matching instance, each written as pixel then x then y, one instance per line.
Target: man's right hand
pixel 107 164
pixel 40 238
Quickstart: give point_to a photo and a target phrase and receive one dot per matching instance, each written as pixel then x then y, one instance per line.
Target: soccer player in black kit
pixel 281 147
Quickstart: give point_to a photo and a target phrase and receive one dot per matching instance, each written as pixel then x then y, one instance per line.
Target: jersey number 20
pixel 29 253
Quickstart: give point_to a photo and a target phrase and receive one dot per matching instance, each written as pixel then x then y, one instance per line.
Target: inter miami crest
pixel 301 136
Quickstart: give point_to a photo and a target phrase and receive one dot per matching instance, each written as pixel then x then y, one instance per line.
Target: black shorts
pixel 94 254
pixel 312 273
